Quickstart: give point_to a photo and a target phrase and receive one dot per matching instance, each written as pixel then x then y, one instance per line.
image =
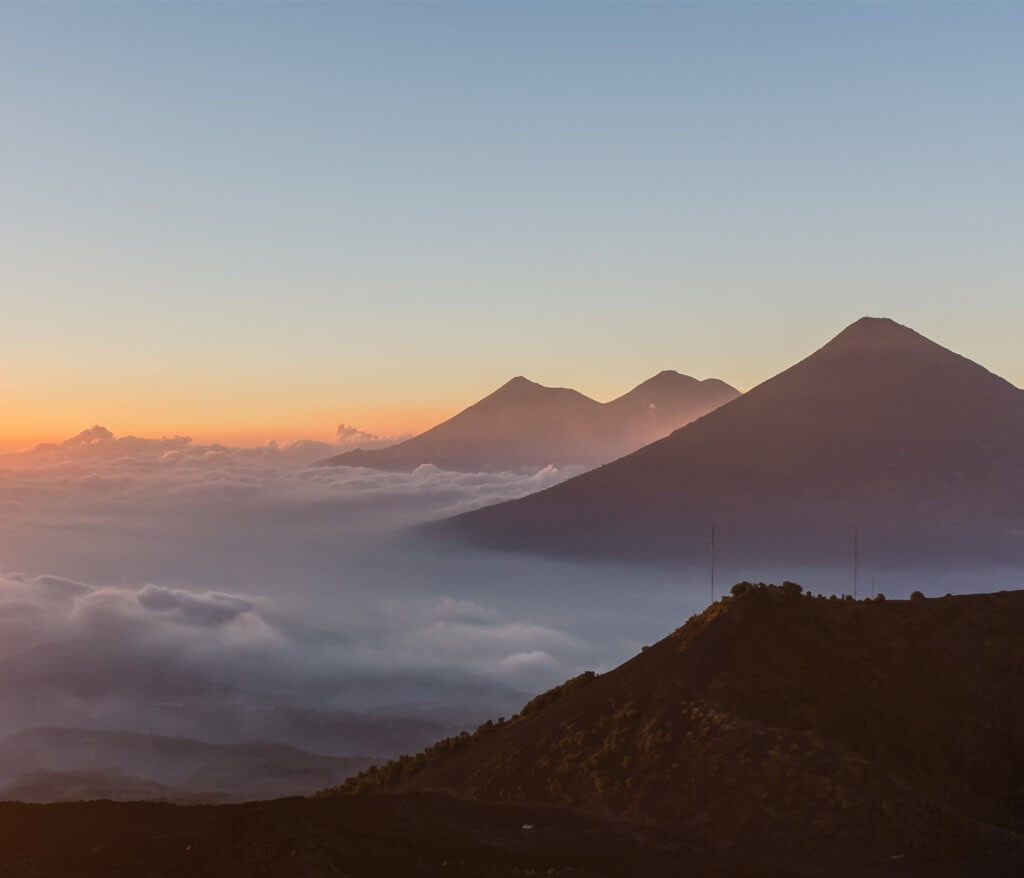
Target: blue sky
pixel 242 219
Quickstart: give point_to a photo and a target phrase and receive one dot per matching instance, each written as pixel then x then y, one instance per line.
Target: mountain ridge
pixel 525 426
pixel 50 764
pixel 778 721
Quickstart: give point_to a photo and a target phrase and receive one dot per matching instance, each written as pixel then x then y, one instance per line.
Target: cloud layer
pixel 219 666
pixel 146 567
pixel 116 509
pixel 98 471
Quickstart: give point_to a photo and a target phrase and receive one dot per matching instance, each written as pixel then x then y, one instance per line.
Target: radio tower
pixel 855 565
pixel 712 562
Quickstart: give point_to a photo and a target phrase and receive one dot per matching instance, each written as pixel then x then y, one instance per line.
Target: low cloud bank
pixel 227 593
pixel 225 667
pixel 152 582
pixel 96 471
pixel 236 639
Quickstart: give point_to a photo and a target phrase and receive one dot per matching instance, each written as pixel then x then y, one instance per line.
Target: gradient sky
pixel 245 221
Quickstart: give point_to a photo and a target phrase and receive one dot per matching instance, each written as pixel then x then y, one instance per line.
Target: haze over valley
pixel 224 595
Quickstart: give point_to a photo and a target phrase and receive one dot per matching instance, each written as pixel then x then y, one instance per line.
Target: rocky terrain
pixel 780 722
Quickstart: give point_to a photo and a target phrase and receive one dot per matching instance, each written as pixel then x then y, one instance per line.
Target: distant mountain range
pixel 50 764
pixel 82 684
pixel 523 425
pixel 881 431
pixel 782 725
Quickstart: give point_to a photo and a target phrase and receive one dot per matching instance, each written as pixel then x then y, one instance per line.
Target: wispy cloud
pixel 349 437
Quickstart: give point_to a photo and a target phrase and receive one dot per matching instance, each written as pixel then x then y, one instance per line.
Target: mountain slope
pixel 525 425
pixel 881 430
pixel 779 721
pixel 775 735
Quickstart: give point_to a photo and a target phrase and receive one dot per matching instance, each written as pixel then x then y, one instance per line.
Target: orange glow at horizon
pixel 26 430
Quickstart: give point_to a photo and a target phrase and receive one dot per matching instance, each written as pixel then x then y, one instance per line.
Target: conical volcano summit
pixel 881 431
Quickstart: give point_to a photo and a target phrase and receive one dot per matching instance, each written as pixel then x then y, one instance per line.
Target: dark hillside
pixel 779 721
pixel 403 835
pixel 410 835
pixel 775 735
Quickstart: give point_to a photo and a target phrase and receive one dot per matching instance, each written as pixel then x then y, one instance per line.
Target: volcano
pixel 880 432
pixel 524 426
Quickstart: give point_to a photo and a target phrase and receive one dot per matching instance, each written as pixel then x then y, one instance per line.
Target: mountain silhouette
pixel 525 426
pixel 880 431
pixel 778 722
pixel 775 734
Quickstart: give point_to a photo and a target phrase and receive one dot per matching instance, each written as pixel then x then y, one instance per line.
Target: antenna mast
pixel 712 562
pixel 855 559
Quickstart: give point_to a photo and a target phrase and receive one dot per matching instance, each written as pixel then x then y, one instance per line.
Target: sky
pixel 245 221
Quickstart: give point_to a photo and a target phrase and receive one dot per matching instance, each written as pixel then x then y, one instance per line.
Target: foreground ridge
pixel 775 721
pixel 774 734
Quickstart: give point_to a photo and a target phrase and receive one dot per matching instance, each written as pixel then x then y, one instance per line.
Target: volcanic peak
pixel 869 333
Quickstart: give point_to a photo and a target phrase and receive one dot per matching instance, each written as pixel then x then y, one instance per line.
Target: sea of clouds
pixel 220 593
pixel 262 570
